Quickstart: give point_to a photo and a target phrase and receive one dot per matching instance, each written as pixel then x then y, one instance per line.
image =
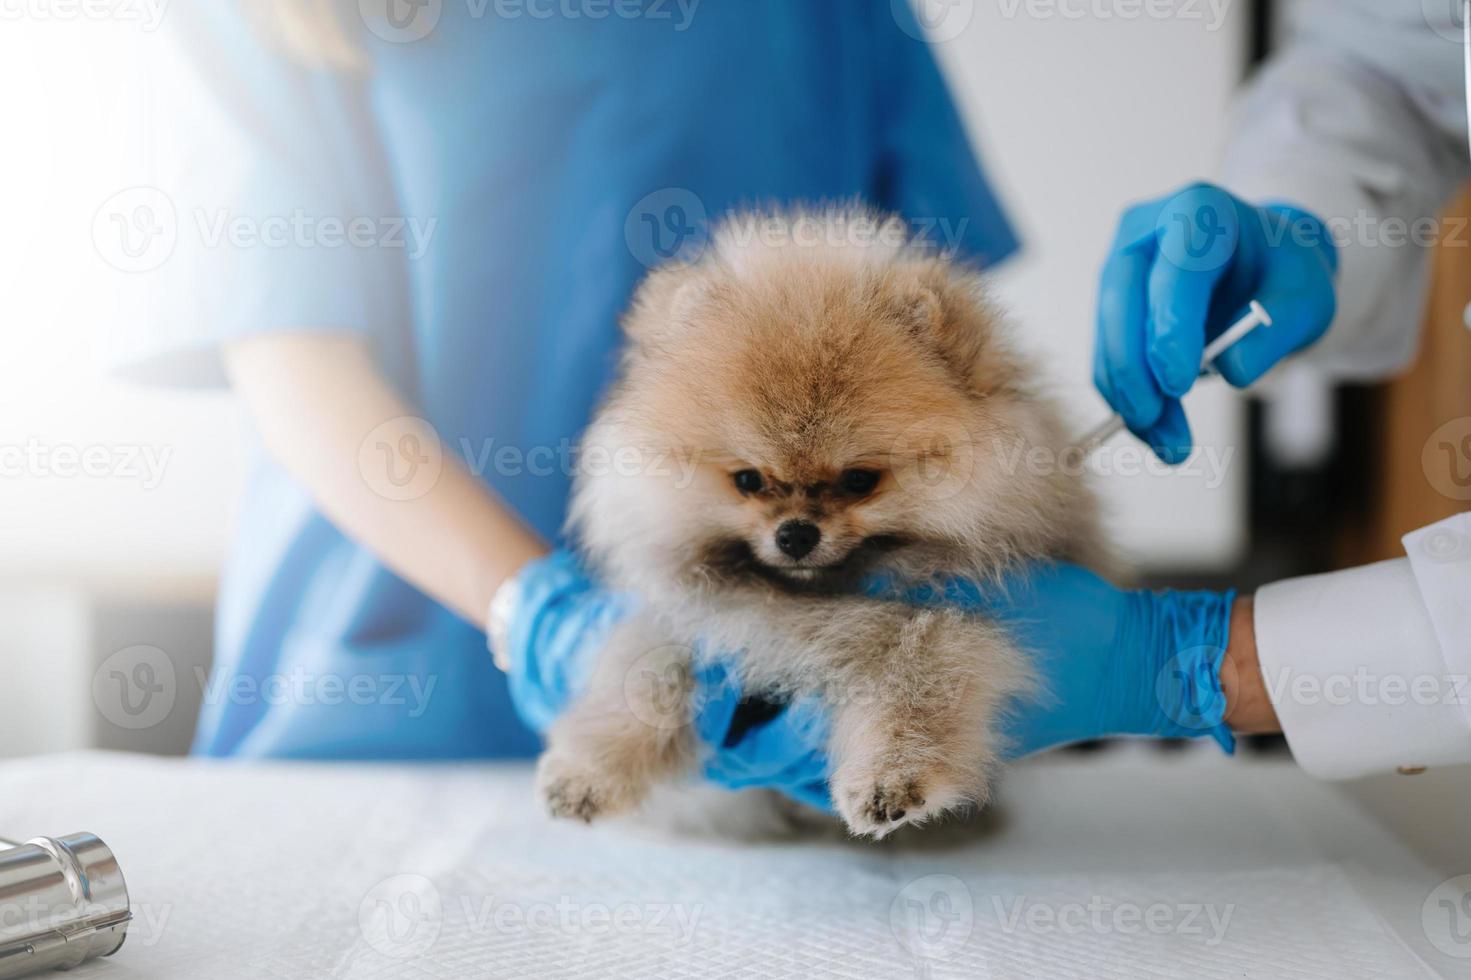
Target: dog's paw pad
pixel 878 806
pixel 573 790
pixel 571 799
pixel 884 806
pixel 892 803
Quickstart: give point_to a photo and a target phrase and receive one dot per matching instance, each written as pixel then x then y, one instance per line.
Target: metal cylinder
pixel 62 901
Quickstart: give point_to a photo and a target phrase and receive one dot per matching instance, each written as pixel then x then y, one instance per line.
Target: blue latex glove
pixel 1112 662
pixel 562 620
pixel 1181 270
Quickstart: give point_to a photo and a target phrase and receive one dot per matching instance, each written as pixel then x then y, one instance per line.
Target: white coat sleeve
pixel 1369 669
pixel 1360 119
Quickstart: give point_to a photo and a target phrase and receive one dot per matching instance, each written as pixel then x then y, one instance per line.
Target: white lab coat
pixel 1361 118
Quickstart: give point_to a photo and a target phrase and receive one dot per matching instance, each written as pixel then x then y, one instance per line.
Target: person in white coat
pixel 1343 151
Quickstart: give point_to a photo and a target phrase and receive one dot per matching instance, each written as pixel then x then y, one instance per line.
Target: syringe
pixel 1256 316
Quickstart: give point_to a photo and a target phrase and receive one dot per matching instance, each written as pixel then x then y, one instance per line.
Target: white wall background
pixel 1080 107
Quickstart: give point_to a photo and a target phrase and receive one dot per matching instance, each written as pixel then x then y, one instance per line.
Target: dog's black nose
pixel 797 538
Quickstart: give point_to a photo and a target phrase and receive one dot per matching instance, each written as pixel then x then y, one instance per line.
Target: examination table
pixel 1126 864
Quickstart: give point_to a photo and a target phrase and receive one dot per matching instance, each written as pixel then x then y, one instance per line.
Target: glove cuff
pixel 1193 630
pixel 552 628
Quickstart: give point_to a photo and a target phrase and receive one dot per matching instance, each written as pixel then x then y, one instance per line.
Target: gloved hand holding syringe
pixel 1256 316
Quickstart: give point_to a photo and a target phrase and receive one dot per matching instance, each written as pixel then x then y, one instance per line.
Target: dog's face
pixel 835 447
pixel 820 415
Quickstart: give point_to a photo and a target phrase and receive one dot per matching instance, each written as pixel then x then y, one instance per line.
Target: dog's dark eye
pixel 748 481
pixel 858 482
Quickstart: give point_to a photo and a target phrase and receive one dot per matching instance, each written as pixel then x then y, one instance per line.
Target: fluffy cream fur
pixel 804 347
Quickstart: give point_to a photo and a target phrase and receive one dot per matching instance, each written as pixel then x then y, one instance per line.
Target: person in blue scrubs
pixel 539 165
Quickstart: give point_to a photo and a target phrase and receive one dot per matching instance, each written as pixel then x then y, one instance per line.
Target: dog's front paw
pixel 878 803
pixel 578 791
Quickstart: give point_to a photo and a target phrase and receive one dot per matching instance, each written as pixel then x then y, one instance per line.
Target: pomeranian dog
pixel 814 402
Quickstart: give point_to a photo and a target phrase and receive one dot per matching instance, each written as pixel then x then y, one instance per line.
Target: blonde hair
pixel 313 32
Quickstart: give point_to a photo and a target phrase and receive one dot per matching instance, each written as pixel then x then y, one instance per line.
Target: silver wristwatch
pixel 503 606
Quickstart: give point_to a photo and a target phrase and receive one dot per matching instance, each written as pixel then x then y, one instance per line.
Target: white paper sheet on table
pixel 1096 870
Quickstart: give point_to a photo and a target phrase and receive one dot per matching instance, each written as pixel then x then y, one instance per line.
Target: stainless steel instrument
pixel 62 901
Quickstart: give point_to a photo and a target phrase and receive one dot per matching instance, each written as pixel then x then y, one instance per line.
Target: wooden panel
pixel 1421 463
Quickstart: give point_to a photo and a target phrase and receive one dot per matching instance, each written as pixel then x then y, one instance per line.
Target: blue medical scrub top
pixel 556 157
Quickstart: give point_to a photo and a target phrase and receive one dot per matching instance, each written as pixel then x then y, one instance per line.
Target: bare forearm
pixel 1248 708
pixel 327 414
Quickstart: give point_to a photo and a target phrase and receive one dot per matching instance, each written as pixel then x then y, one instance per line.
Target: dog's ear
pixel 666 302
pixel 945 309
pixel 917 305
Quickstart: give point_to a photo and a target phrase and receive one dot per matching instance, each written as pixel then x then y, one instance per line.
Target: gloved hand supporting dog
pixel 1113 662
